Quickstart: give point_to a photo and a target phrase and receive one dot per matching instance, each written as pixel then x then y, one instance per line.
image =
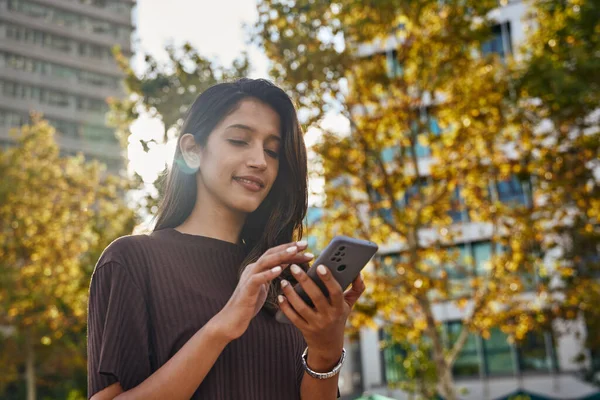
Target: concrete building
pixel 543 365
pixel 55 58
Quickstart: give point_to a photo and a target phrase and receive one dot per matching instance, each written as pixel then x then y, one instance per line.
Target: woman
pixel 188 310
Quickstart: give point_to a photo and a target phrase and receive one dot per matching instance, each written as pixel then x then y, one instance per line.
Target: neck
pixel 213 220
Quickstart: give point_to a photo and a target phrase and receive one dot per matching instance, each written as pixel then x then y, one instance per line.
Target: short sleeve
pixel 118 336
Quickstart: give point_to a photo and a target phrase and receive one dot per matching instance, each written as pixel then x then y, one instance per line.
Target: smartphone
pixel 345 257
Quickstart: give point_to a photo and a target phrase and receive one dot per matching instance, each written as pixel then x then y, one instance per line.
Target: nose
pixel 257 159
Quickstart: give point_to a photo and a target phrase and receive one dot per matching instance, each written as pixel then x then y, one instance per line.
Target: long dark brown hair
pixel 279 217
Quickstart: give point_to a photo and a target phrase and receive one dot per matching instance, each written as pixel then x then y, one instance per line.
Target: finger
pixel 288 255
pixel 336 296
pixel 290 313
pixel 257 280
pixel 301 245
pixel 357 289
pixel 316 295
pixel 303 309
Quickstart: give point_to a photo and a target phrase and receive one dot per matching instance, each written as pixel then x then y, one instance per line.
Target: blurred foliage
pixel 411 75
pixel 57 214
pixel 165 91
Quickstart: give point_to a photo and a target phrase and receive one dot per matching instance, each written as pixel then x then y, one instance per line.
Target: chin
pixel 247 207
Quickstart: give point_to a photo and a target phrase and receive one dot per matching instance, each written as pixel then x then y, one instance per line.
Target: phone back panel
pixel 345 257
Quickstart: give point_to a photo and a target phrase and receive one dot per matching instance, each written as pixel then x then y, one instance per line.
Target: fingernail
pixel 321 269
pixel 284 283
pixel 296 269
pixel 280 298
pixel 292 249
pixel 309 255
pixel 276 269
pixel 302 243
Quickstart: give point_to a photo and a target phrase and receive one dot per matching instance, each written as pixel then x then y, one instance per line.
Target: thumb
pixel 357 289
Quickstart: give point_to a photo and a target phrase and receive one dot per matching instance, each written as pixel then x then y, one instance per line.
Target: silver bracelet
pixel 323 375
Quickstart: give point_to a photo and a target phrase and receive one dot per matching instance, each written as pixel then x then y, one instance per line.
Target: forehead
pixel 255 114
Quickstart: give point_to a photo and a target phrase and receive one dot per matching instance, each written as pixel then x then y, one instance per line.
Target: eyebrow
pixel 252 130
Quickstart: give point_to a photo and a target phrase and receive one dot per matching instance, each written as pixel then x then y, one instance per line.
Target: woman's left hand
pixel 322 326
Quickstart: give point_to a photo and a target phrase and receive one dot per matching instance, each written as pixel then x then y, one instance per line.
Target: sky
pixel 216 29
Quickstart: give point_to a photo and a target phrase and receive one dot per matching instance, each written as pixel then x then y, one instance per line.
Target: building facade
pixel 56 59
pixel 546 364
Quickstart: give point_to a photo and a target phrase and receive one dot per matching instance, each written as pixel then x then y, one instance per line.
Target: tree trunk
pixel 30 367
pixel 446 383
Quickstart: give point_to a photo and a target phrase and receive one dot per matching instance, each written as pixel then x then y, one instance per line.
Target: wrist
pixel 323 360
pixel 220 329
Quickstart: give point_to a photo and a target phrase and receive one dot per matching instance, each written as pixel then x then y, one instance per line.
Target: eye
pixel 272 154
pixel 236 142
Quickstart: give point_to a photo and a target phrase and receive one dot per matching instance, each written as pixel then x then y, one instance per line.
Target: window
pixel 66 128
pixel 468 360
pixel 67 18
pixel 12 119
pixel 498 354
pixel 456 207
pixel 413 191
pixel 482 253
pixel 98 133
pixel 57 99
pixel 500 42
pixel 393 355
pixel 532 352
pixel 511 191
pixel 59 71
pixel 38 38
pixel 393 67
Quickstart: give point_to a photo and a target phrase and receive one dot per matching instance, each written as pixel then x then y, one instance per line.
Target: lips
pixel 250 182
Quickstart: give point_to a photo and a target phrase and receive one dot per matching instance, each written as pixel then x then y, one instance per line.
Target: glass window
pixel 532 352
pixel 455 211
pixel 482 252
pixel 393 356
pixel 467 362
pixel 393 66
pixel 65 127
pixel 460 268
pixel 98 133
pixel 496 44
pixel 12 119
pixel 413 191
pixel 498 354
pixel 57 99
pixel 88 104
pixel 511 191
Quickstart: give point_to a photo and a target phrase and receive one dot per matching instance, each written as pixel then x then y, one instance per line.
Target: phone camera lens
pixel 343 254
pixel 337 254
pixel 342 248
pixel 341 267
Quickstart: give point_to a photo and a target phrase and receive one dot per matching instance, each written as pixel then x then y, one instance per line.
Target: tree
pixel 424 85
pixel 560 81
pixel 56 214
pixel 165 91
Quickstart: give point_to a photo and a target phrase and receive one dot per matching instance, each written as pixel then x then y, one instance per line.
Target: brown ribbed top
pixel 150 294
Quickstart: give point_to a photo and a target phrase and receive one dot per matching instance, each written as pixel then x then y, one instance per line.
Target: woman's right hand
pixel 252 289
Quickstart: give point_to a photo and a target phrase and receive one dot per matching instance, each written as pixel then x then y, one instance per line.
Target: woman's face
pixel 239 163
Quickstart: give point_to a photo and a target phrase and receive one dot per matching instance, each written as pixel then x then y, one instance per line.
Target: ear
pixel 190 150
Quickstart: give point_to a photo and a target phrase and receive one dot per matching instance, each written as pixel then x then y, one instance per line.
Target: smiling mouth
pixel 249 183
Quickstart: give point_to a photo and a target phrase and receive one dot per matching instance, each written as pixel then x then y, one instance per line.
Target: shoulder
pixel 126 257
pixel 124 250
